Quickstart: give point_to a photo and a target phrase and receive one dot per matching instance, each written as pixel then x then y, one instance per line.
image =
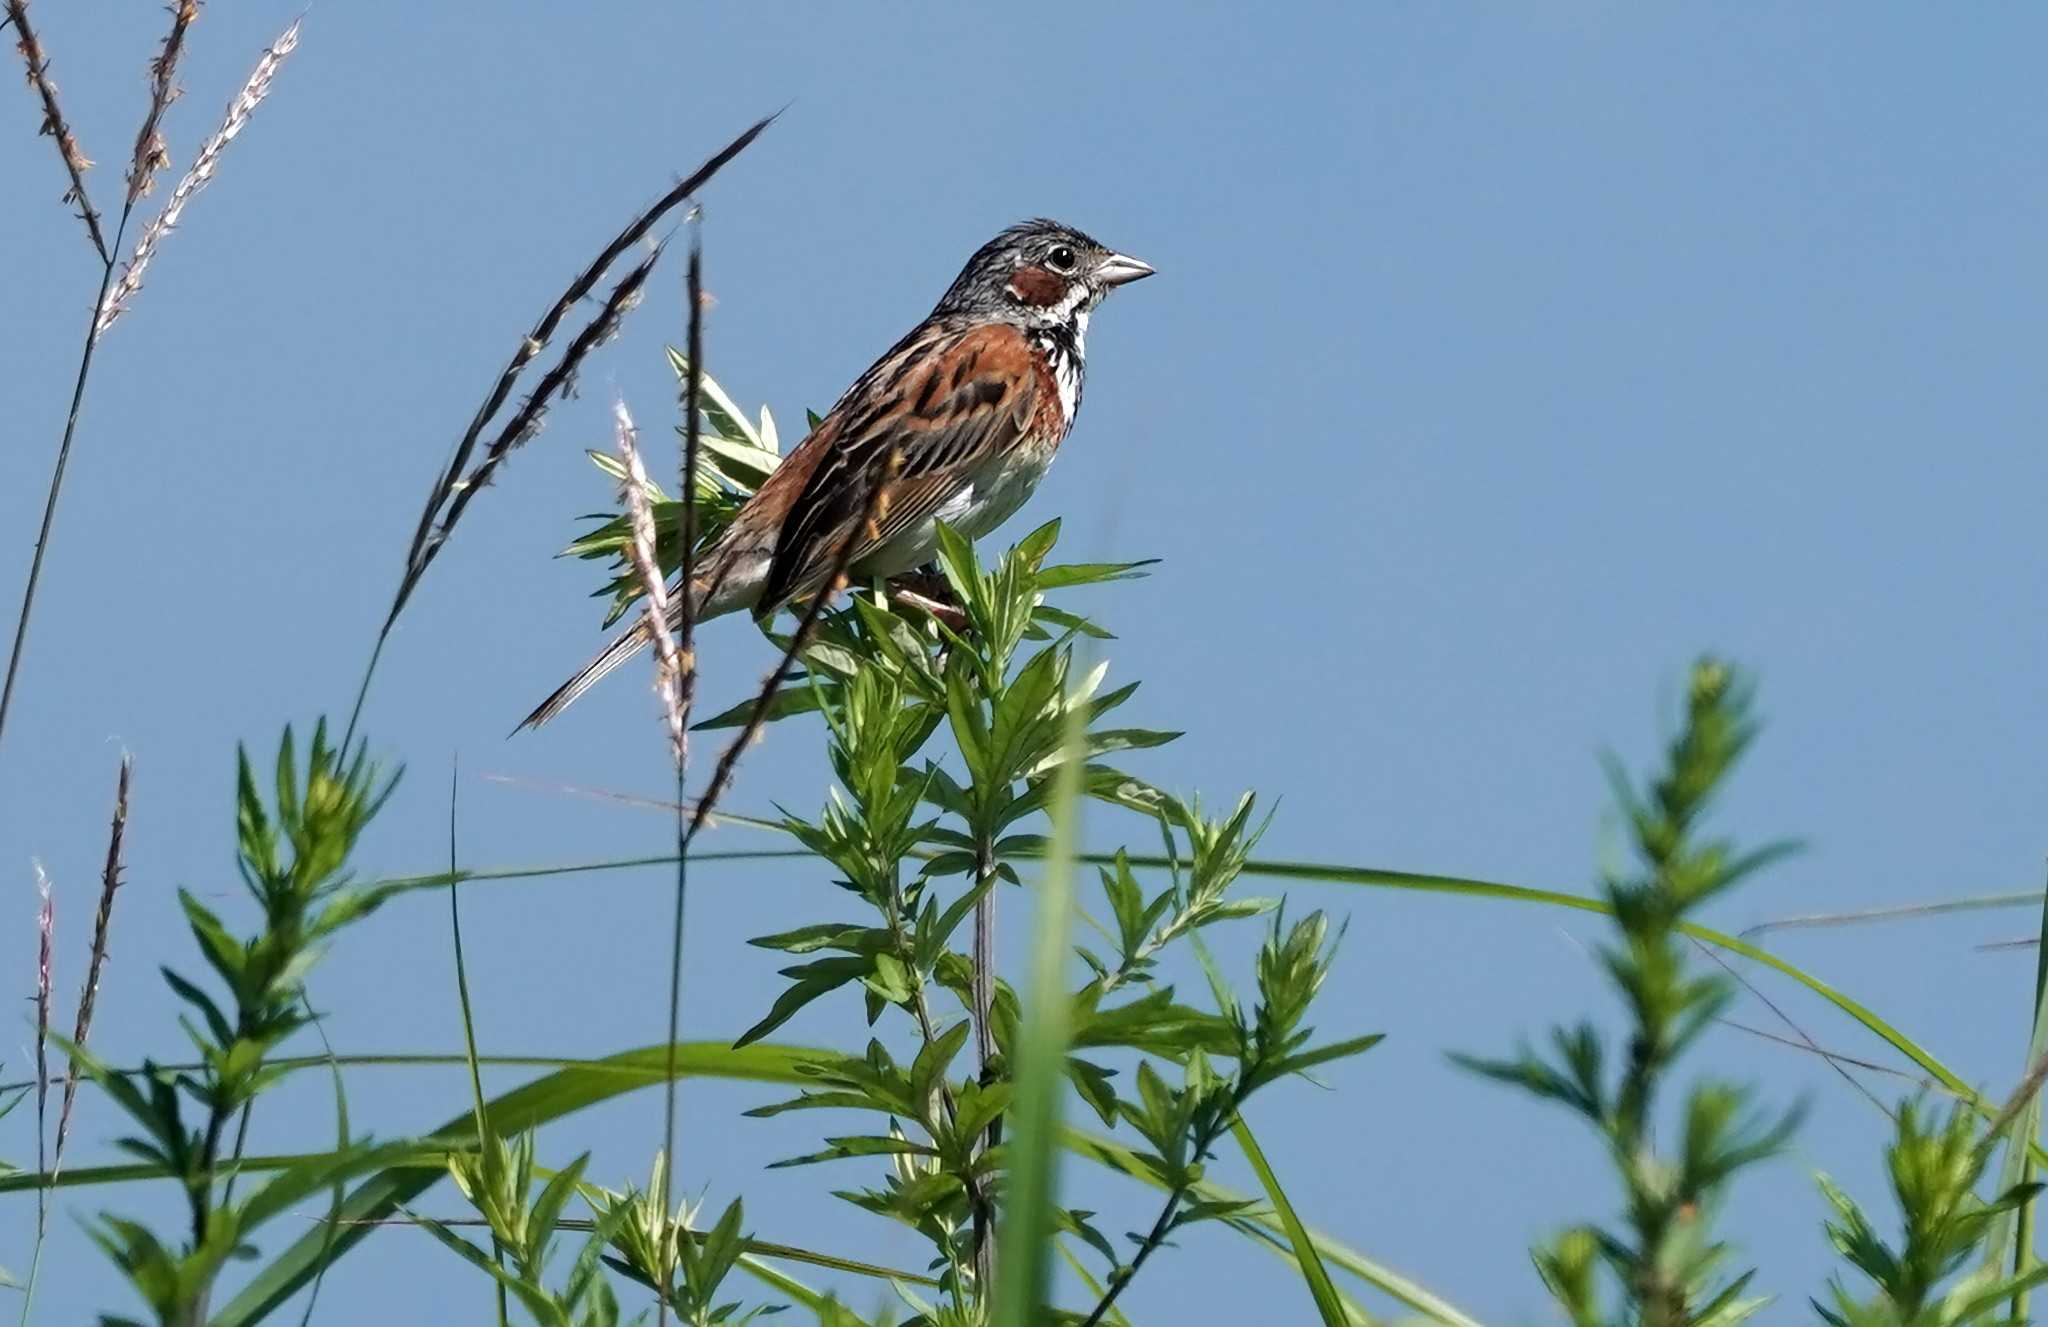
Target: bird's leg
pixel 926 589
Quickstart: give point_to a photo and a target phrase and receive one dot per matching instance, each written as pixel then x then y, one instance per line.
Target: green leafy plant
pixel 1665 1264
pixel 1936 1164
pixel 902 824
pixel 293 858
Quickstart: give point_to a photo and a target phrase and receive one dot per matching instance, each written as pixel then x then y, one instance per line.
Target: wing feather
pixel 937 410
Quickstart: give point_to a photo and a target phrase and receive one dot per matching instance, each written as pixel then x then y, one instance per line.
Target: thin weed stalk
pixel 46 937
pixel 55 127
pixel 2023 1222
pixel 151 155
pixel 110 883
pixel 757 717
pixel 453 488
pixel 679 675
pixel 668 669
pixel 476 1081
pixel 253 90
pixel 112 299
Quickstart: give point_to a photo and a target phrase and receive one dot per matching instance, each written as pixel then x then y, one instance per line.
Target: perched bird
pixel 957 423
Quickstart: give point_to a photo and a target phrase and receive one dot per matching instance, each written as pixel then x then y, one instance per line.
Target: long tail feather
pixel 622 647
pixel 731 582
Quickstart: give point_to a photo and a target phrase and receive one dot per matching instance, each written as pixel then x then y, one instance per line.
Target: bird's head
pixel 1039 274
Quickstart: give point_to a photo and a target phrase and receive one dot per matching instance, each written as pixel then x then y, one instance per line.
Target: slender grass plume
pixel 668 662
pixel 55 127
pixel 457 483
pixel 151 152
pixel 112 298
pixel 102 924
pixel 693 426
pixel 46 941
pixel 148 152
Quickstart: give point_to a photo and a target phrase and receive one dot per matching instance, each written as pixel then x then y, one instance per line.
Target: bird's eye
pixel 1061 259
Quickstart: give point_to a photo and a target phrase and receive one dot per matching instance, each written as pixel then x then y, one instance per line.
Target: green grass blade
pixel 1328 1304
pixel 2015 1230
pixel 1454 886
pixel 525 1107
pixel 1484 889
pixel 1030 1186
pixel 341 1142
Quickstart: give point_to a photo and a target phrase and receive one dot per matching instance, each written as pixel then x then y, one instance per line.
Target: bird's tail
pixel 715 593
pixel 621 648
pixel 728 579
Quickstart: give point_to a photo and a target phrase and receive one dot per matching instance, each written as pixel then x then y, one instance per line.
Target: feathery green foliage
pixel 293 858
pixel 1666 1263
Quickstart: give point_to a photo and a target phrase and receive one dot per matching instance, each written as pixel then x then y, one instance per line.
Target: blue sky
pixel 1501 358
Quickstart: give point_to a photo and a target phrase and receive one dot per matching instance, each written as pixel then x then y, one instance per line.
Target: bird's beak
pixel 1121 269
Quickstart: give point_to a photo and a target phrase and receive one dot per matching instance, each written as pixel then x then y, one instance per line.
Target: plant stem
pixel 1156 1237
pixel 35 566
pixel 2023 1225
pixel 685 686
pixel 977 1195
pixel 476 1080
pixel 235 1158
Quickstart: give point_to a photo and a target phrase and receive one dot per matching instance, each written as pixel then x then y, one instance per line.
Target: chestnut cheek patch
pixel 1037 287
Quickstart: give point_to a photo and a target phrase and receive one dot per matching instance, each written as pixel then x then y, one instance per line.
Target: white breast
pixel 985 502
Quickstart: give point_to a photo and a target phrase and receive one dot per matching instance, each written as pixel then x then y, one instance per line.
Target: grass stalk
pixel 678 670
pixel 476 1081
pixel 458 482
pixel 112 298
pixel 56 127
pixel 1024 1269
pixel 46 936
pixel 2023 1222
pixel 110 882
pixel 151 155
pixel 115 302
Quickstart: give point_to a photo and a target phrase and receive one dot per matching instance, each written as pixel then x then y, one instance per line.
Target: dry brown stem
pixel 110 881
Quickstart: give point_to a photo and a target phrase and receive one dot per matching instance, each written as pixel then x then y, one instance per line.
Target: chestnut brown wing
pixel 919 424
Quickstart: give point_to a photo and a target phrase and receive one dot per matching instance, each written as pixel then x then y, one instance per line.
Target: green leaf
pixel 719 408
pixel 970 730
pixel 867 1145
pixel 812 980
pixel 797 698
pixel 1328 1305
pixel 929 1068
pixel 216 1022
pixel 932 945
pixel 1340 1050
pixel 1072 623
pixel 1032 548
pixel 2026 1128
pixel 219 948
pixel 824 935
pixel 1091 573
